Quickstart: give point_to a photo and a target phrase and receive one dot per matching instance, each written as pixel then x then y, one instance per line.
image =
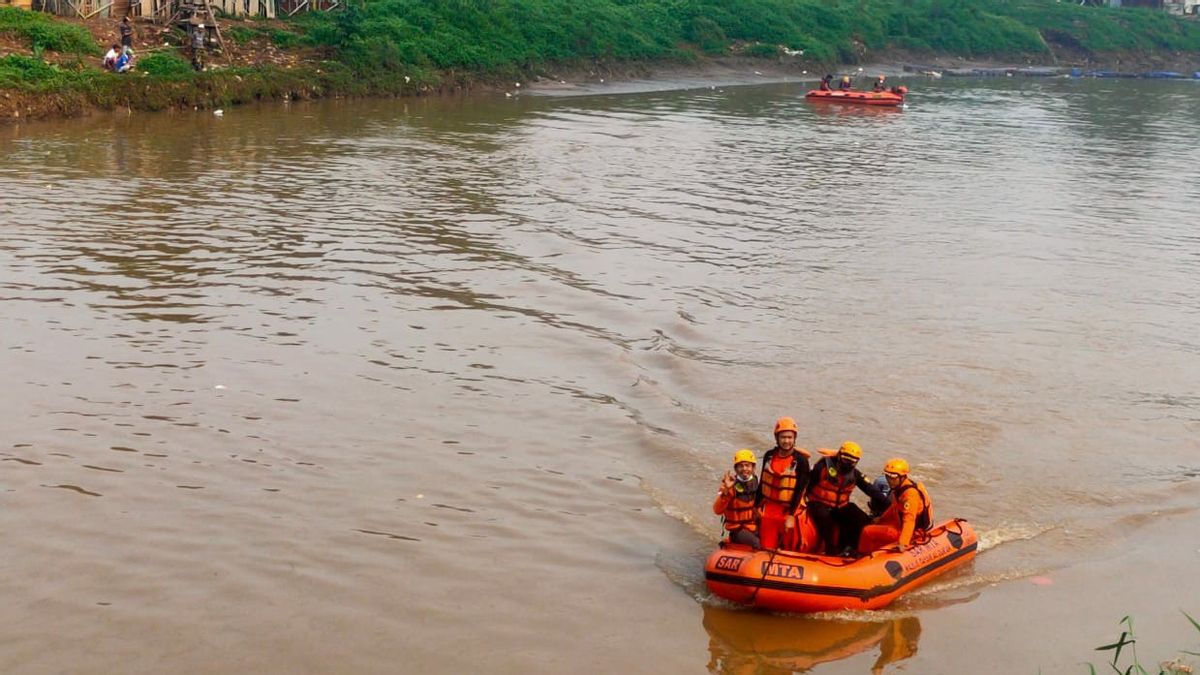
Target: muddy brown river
pixel 447 386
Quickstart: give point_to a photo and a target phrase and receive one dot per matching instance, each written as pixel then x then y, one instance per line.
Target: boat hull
pixel 786 581
pixel 877 98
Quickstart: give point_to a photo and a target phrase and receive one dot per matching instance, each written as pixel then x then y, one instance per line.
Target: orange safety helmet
pixel 786 424
pixel 850 449
pixel 896 466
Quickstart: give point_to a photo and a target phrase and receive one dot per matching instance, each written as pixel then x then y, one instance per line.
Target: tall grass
pixel 1132 664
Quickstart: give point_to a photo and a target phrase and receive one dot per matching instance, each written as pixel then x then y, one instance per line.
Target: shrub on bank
pixel 45 33
pixel 166 65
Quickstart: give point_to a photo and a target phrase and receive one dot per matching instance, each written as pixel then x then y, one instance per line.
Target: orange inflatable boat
pixel 788 581
pixel 892 97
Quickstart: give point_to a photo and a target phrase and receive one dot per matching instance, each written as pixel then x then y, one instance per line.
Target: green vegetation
pixel 17 70
pixel 1105 29
pixel 45 33
pixel 1134 665
pixel 491 35
pixel 166 65
pixel 407 46
pixel 284 39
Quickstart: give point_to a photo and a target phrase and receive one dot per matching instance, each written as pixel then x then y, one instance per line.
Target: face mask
pixel 747 479
pixel 845 465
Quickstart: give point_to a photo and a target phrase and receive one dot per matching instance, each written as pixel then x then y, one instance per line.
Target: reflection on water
pixel 746 643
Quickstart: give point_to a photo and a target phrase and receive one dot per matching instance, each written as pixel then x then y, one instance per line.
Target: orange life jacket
pixel 740 513
pixel 833 487
pixel 925 516
pixel 779 487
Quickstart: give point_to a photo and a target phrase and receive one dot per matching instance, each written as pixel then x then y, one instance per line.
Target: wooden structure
pixel 84 9
pixel 179 11
pixel 265 8
pixel 293 7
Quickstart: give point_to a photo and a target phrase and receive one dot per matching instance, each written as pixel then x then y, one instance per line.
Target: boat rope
pixel 759 585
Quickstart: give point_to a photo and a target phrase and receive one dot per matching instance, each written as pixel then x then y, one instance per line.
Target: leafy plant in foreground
pixel 1128 639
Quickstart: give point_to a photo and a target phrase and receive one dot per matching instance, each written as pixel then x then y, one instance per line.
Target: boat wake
pixel 1007 533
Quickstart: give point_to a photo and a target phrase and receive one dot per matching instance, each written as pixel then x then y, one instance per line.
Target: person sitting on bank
pixel 124 63
pixel 110 58
pixel 825 86
pixel 736 500
pixel 845 85
pixel 909 517
pixel 878 86
pixel 837 519
pixel 781 487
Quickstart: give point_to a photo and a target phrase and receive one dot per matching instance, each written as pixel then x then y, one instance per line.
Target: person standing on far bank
pixel 126 36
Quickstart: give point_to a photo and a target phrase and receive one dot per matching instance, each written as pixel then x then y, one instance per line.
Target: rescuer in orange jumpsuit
pixel 908 518
pixel 781 487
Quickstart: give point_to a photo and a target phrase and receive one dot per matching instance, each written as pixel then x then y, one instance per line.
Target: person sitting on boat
pixel 909 517
pixel 736 500
pixel 845 84
pixel 878 87
pixel 781 487
pixel 825 86
pixel 837 519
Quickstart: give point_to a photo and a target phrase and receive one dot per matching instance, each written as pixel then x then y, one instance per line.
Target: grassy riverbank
pixel 49 66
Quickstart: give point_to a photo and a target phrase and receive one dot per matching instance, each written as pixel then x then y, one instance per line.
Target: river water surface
pixel 447 385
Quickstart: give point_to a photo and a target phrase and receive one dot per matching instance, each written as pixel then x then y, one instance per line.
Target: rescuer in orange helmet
pixel 781 487
pixel 878 86
pixel 838 520
pixel 908 518
pixel 737 500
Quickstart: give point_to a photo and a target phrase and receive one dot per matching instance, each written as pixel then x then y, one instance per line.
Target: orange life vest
pixel 779 487
pixel 833 487
pixel 740 514
pixel 925 516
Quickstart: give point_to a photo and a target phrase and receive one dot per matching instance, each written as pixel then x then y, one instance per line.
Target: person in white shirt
pixel 110 58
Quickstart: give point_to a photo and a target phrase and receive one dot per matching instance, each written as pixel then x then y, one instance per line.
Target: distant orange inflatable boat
pixel 892 97
pixel 787 581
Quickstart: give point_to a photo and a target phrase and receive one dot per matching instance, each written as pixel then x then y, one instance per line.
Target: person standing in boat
pixel 909 517
pixel 845 84
pixel 837 519
pixel 878 86
pixel 781 487
pixel 737 500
